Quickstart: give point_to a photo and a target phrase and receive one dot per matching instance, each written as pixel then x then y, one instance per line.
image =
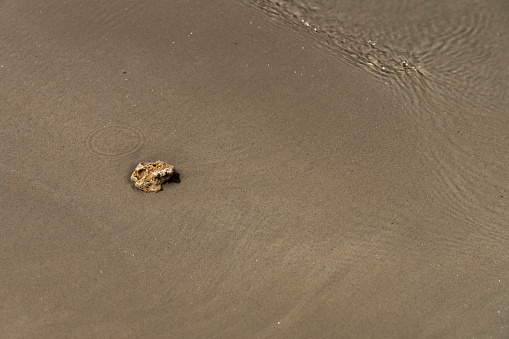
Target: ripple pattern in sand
pixel 334 35
pixel 457 105
pixel 443 61
pixel 114 141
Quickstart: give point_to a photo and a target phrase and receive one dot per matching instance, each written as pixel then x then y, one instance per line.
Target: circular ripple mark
pixel 114 141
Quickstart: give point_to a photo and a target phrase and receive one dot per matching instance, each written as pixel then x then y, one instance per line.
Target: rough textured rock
pixel 149 176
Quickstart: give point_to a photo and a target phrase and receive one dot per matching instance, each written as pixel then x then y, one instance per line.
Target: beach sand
pixel 318 196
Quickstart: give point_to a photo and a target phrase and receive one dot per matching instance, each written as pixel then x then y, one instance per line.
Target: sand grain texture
pixel 320 196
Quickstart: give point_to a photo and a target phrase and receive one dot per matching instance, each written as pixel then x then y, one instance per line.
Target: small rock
pixel 149 176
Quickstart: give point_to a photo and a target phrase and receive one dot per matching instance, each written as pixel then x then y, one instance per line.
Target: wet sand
pixel 322 193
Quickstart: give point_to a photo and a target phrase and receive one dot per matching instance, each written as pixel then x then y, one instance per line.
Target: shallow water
pixel 446 62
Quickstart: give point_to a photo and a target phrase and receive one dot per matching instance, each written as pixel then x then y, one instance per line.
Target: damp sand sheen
pixel 344 169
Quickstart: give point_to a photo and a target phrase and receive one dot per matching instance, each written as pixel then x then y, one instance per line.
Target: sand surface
pixel 329 186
